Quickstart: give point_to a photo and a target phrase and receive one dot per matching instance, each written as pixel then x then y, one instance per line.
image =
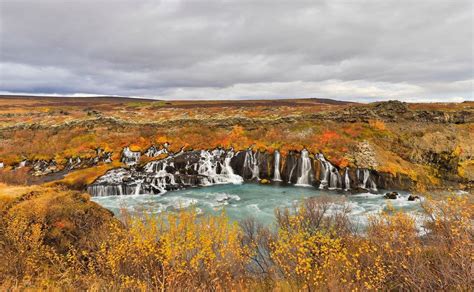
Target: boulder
pixel 264 181
pixel 391 195
pixel 413 197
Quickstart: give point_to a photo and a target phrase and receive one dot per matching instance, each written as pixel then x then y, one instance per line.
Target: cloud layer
pixel 352 50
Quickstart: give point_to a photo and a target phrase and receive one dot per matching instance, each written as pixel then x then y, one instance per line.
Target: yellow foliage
pixel 54 239
pixel 377 124
pixel 83 177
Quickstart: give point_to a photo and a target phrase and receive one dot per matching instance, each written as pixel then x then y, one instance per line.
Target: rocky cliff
pixel 402 145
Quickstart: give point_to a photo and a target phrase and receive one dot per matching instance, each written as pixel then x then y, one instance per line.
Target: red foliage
pixel 329 136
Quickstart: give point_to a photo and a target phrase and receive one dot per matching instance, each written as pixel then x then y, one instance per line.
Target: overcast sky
pixel 359 50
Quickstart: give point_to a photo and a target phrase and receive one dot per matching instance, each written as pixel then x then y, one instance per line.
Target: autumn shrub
pixel 397 242
pixel 317 248
pixel 438 259
pixel 53 238
pixel 449 242
pixel 14 177
pixel 173 251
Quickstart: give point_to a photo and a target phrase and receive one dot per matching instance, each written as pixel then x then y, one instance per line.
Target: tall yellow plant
pixel 175 250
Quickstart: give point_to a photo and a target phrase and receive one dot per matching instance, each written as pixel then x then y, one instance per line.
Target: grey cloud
pixel 366 50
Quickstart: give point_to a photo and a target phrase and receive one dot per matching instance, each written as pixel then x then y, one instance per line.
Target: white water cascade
pixel 138 187
pixel 324 172
pixel 251 162
pixel 154 151
pixel 347 180
pixel 365 179
pixel 291 173
pixel 213 171
pixel 130 157
pixel 330 177
pixel 210 167
pixel 276 172
pixel 305 178
pixel 229 172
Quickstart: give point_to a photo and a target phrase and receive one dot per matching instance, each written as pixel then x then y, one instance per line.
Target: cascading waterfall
pixel 335 180
pixel 154 151
pixel 207 169
pixel 251 163
pixel 347 180
pixel 373 186
pixel 229 172
pixel 276 172
pixel 219 166
pixel 291 173
pixel 324 172
pixel 366 182
pixel 200 168
pixel 330 176
pixel 305 178
pixel 210 165
pixel 138 187
pixel 130 157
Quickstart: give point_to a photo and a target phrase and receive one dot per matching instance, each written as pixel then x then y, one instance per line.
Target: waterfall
pixel 347 180
pixel 366 182
pixel 105 190
pixel 233 178
pixel 373 186
pixel 138 188
pixel 291 173
pixel 366 178
pixel 324 172
pixel 335 181
pixel 218 166
pixel 330 177
pixel 215 170
pixel 130 157
pixel 276 173
pixel 251 163
pixel 305 178
pixel 154 151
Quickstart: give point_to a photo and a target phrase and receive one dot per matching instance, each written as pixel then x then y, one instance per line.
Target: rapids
pixel 242 201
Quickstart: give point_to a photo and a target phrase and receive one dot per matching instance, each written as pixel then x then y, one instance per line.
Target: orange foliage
pixel 329 136
pixel 377 124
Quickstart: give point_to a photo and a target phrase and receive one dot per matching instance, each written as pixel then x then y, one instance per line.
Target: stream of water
pixel 252 200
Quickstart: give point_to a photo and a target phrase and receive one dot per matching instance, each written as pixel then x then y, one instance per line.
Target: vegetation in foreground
pixel 56 238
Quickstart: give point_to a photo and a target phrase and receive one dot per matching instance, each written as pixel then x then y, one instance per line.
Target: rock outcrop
pixel 220 166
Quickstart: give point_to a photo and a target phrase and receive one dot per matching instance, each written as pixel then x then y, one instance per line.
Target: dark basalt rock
pixel 289 173
pixel 413 197
pixel 391 195
pixel 387 181
pixel 206 167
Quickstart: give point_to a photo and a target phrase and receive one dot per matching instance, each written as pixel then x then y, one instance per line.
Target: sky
pixel 356 50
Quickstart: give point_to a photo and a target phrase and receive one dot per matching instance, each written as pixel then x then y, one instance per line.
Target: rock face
pixel 396 111
pixel 44 167
pixel 220 166
pixel 391 195
pixel 130 157
pixel 363 156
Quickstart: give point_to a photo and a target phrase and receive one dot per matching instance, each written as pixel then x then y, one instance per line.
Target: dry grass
pixel 56 239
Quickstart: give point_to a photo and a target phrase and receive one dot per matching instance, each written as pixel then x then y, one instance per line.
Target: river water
pixel 241 201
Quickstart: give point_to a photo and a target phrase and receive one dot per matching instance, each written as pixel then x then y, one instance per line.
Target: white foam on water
pixel 257 201
pixel 368 196
pixel 179 203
